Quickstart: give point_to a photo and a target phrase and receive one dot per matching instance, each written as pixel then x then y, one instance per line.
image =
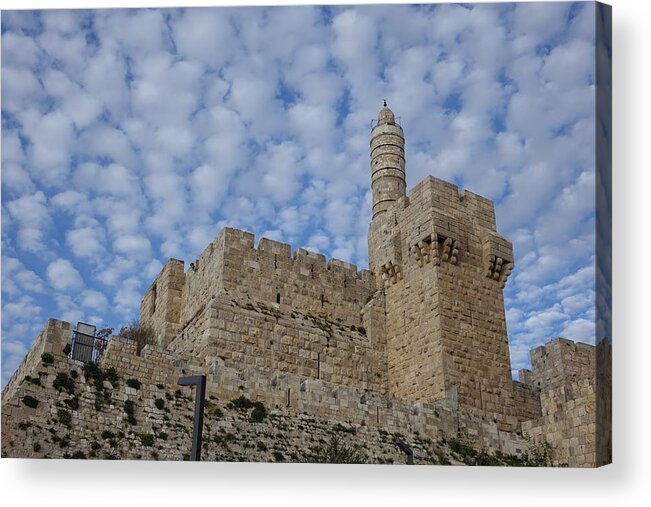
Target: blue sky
pixel 132 136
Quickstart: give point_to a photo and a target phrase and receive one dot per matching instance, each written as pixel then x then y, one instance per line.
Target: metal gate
pixel 85 346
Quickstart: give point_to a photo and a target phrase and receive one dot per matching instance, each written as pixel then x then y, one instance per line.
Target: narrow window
pixel 312 270
pixel 288 396
pixel 153 299
pixel 275 261
pixel 321 300
pixel 278 297
pixel 344 283
pixel 318 365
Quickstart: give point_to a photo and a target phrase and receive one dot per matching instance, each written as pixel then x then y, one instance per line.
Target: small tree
pixel 142 334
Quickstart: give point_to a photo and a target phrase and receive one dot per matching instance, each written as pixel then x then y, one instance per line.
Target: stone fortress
pixel 416 345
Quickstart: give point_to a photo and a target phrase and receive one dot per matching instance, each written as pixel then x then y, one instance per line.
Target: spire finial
pixel 385 102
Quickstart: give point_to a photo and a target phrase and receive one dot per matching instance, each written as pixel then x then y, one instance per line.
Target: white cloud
pixel 50 147
pixel 152 269
pixel 205 35
pixel 86 241
pixel 63 276
pixel 209 186
pixel 30 209
pixel 15 275
pixel 94 300
pixel 32 215
pixel 580 330
pixel 132 245
pixel 20 88
pixel 118 268
pixel 127 299
pixel 19 50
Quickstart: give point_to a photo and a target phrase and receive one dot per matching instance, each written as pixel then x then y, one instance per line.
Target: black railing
pixel 87 348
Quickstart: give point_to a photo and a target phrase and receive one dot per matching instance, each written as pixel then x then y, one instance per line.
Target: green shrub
pixel 538 455
pixel 442 458
pixel 95 445
pixel 130 410
pixel 241 403
pixel 278 456
pixel 129 407
pixel 112 376
pixel 74 373
pixel 134 383
pixel 345 429
pixel 78 455
pixel 96 377
pixel 147 439
pixel 73 403
pixel 486 460
pixel 47 358
pixel 30 401
pixel 259 412
pixel 64 417
pixel 218 412
pixel 64 382
pixel 160 403
pixel 106 434
pixel 36 447
pixel 261 446
pixel 335 451
pixel 162 435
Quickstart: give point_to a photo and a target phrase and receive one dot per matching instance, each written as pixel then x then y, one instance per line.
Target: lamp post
pixel 200 395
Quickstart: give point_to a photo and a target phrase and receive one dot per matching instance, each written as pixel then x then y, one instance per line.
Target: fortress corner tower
pixel 442 266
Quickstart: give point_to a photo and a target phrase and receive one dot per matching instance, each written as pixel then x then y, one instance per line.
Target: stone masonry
pixel 416 345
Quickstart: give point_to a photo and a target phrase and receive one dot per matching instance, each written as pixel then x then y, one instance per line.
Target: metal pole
pixel 200 395
pixel 406 448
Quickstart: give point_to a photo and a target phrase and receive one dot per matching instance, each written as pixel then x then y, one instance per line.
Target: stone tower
pixel 442 267
pixel 387 161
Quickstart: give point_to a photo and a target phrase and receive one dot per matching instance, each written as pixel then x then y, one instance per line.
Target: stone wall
pixel 82 420
pixel 565 374
pixel 52 339
pixel 246 332
pixel 568 423
pixel 160 307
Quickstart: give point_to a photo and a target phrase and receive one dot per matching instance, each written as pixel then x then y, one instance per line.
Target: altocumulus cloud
pixel 131 136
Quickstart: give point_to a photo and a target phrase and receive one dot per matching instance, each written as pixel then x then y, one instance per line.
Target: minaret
pixel 387 161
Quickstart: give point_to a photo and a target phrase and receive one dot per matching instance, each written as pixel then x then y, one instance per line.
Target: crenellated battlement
pixel 560 362
pixel 270 273
pixel 234 240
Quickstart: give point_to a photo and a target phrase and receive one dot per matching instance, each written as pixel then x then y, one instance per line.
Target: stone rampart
pixel 246 332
